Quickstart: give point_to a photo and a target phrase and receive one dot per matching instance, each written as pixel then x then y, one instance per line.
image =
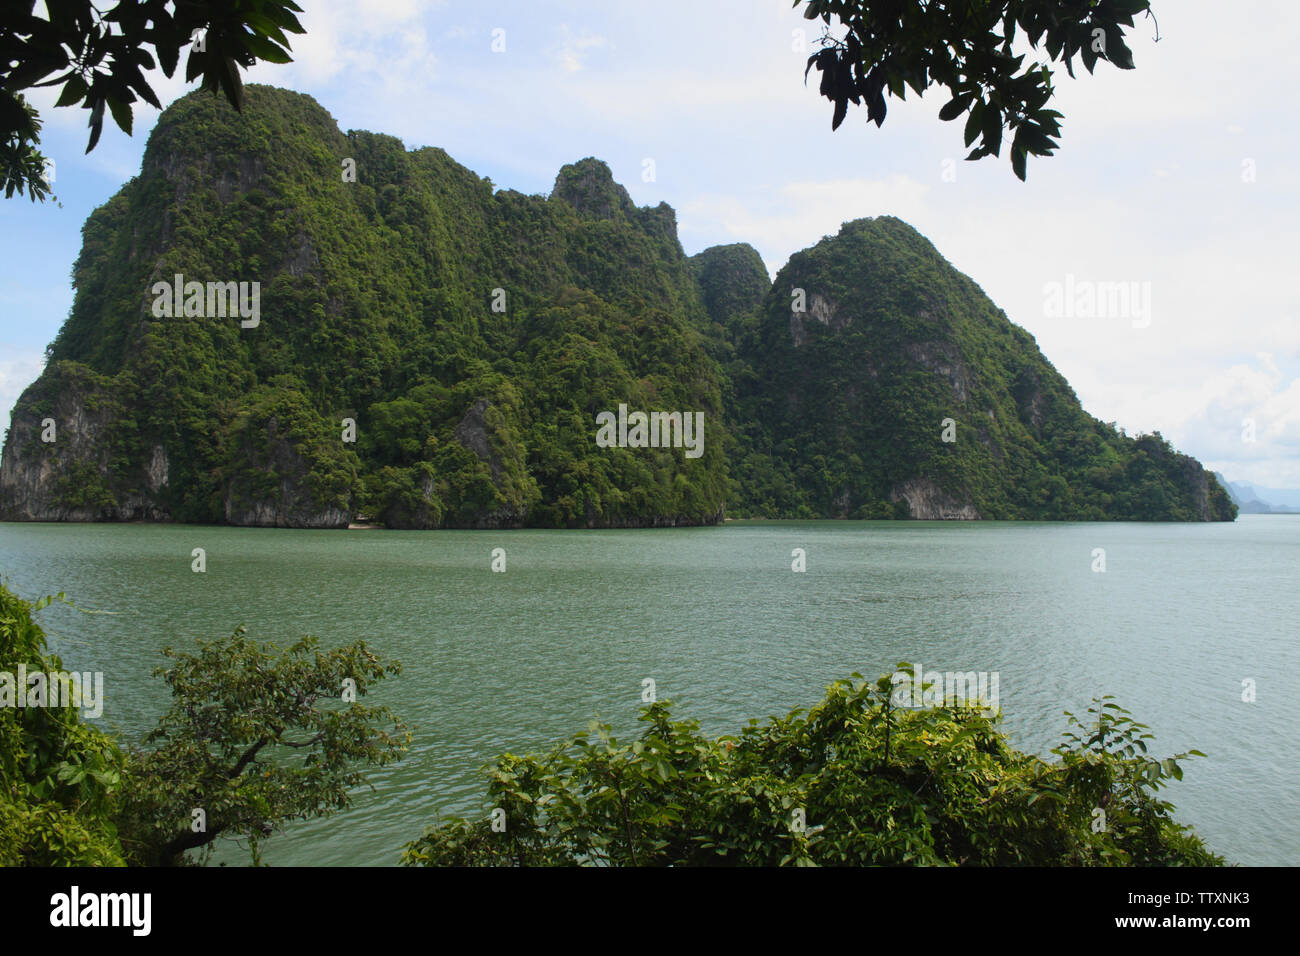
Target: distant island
pixel 1250 499
pixel 279 324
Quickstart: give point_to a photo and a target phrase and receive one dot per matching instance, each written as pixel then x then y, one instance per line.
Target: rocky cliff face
pixel 58 462
pixel 275 490
pixel 925 500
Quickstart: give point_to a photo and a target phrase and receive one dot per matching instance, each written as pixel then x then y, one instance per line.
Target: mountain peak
pixel 589 187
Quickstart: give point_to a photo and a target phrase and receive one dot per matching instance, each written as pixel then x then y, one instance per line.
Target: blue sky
pixel 1181 176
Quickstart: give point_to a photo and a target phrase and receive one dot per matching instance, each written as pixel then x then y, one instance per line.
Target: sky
pixel 1179 180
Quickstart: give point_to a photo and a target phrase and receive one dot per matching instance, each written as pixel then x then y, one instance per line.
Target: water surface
pixel 493 662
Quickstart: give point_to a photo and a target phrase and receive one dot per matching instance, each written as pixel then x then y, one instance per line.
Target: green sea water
pixel 1182 615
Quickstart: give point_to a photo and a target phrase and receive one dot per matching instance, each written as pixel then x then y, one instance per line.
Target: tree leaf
pixel 954 107
pixel 973 122
pixel 264 49
pixel 96 123
pixel 1018 163
pixel 121 114
pixel 73 92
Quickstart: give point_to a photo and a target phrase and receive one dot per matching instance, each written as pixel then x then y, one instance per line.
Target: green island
pixel 433 352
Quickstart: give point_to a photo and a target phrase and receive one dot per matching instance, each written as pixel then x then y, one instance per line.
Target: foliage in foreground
pixel 255 738
pixel 970 49
pixel 855 781
pixel 99 58
pixel 58 775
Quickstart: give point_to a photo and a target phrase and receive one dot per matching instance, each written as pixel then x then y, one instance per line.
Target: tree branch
pixel 249 756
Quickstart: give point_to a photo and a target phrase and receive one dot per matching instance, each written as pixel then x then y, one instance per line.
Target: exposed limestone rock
pixel 473 434
pixel 1028 394
pixel 941 359
pixel 927 501
pixel 248 500
pixel 158 470
pixel 69 479
pixel 232 183
pixel 304 258
pixel 819 310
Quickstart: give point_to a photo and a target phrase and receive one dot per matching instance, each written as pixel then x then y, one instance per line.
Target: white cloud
pixel 779 222
pixel 574 46
pixel 1245 402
